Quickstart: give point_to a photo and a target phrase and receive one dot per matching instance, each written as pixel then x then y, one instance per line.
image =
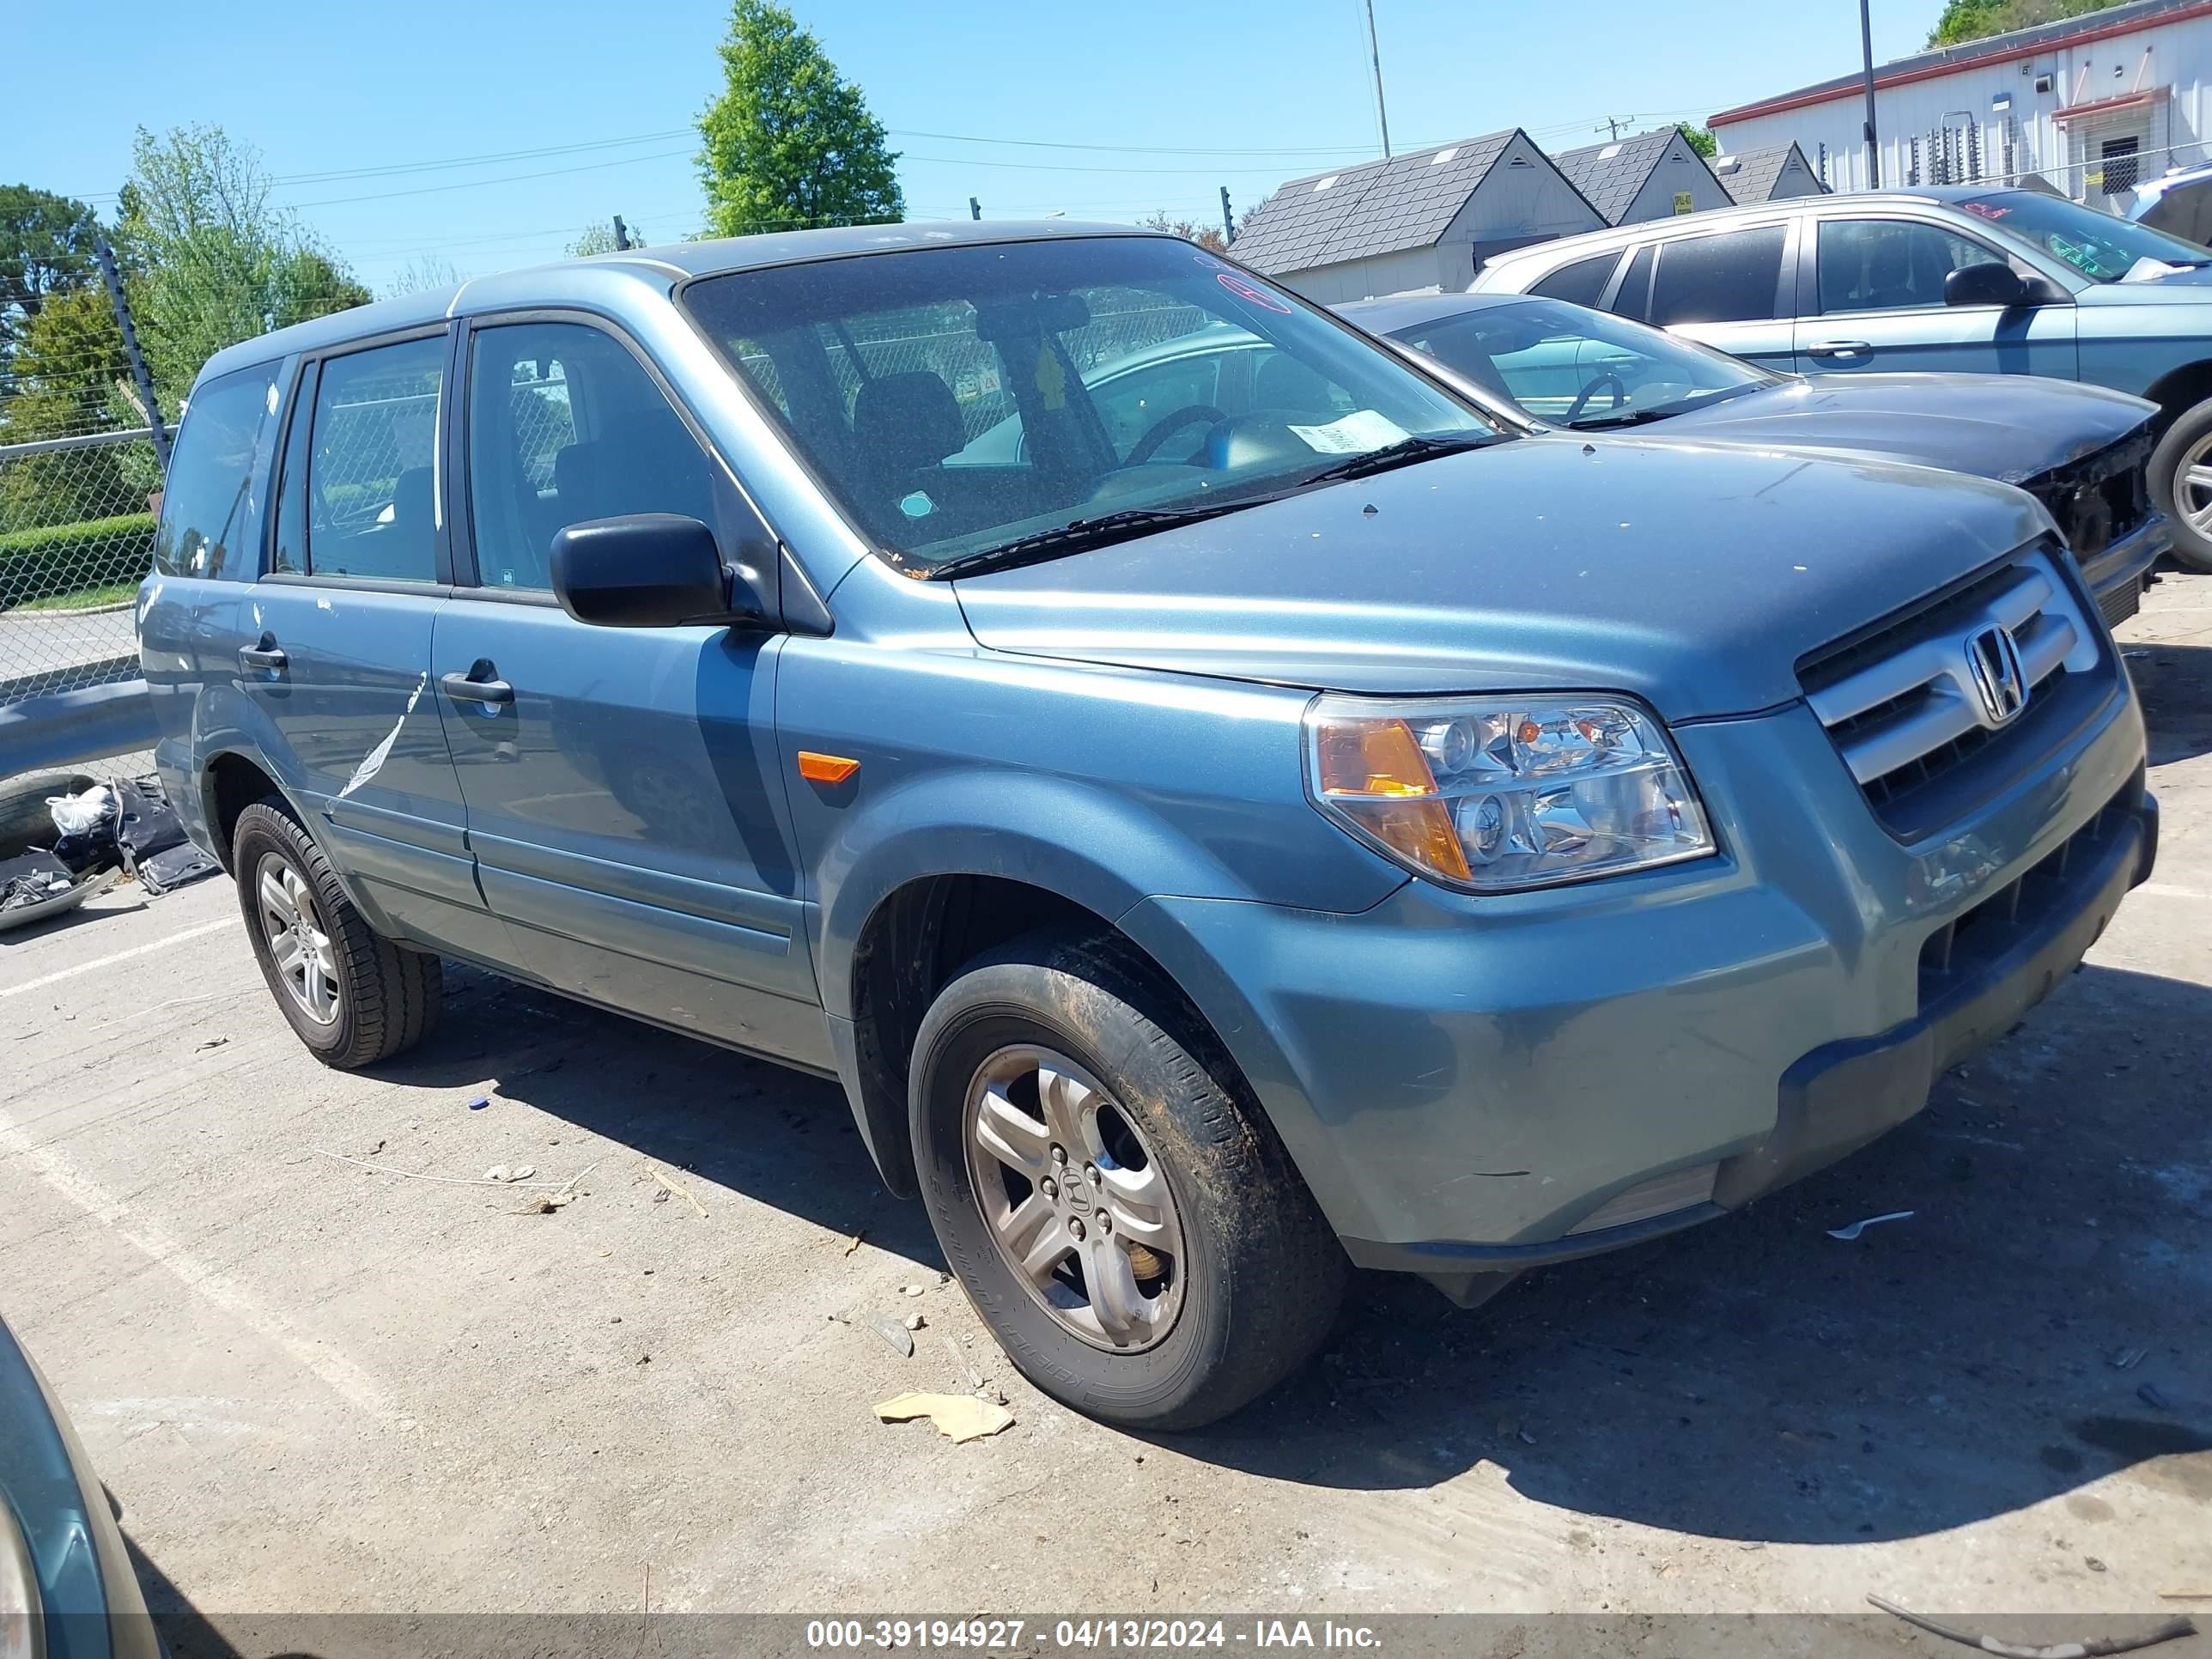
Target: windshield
pixel 1577 368
pixel 2102 248
pixel 957 400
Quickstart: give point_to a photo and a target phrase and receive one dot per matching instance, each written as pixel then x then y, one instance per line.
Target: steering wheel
pixel 1582 399
pixel 1158 433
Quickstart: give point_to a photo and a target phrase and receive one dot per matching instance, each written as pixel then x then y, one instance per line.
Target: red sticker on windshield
pixel 1243 288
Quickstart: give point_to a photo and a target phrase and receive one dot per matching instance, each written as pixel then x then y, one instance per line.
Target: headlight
pixel 1494 793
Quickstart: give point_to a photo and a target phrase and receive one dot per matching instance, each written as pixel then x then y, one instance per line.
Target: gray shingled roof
pixel 1379 207
pixel 1748 175
pixel 1610 174
pixel 2040 38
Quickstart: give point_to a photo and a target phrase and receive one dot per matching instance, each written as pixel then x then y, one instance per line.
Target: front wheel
pixel 2181 485
pixel 353 996
pixel 1133 1233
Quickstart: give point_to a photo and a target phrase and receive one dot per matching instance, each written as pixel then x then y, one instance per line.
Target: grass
pixel 84 598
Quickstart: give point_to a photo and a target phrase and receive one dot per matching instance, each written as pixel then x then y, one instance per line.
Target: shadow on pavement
pixel 2175 683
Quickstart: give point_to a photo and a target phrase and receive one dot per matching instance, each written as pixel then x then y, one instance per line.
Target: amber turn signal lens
pixel 825 768
pixel 1373 771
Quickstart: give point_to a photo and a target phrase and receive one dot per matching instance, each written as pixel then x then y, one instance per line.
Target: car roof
pixel 659 268
pixel 1389 314
pixel 1597 242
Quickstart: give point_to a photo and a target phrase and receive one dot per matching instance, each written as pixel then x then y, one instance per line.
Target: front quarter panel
pixel 1104 785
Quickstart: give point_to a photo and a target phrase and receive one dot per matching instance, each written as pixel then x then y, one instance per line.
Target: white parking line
pixel 59 975
pixel 337 1371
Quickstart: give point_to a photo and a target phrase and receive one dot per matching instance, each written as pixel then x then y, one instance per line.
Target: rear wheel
pixel 1133 1233
pixel 353 996
pixel 2181 485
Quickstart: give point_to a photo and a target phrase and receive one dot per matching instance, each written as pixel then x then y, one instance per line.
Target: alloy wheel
pixel 1079 1209
pixel 299 945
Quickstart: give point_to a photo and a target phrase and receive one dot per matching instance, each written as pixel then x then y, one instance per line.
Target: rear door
pixel 1870 297
pixel 624 801
pixel 336 652
pixel 1732 290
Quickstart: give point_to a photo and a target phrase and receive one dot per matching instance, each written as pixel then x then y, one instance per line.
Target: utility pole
pixel 622 235
pixel 1374 57
pixel 144 381
pixel 1872 143
pixel 1611 126
pixel 1228 219
pixel 974 209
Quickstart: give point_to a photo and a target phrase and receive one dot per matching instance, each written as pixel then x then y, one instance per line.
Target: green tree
pixel 790 144
pixel 45 247
pixel 1974 20
pixel 67 371
pixel 1702 141
pixel 211 261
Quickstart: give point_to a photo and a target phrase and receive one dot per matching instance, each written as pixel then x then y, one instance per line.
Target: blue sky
pixel 1150 104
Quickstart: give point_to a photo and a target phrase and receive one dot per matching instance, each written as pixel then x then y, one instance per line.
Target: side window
pixel 1132 404
pixel 1634 299
pixel 565 425
pixel 1581 283
pixel 1888 265
pixel 1719 279
pixel 370 486
pixel 211 500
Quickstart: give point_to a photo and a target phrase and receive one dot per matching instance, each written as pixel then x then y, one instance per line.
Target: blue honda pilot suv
pixel 1255 826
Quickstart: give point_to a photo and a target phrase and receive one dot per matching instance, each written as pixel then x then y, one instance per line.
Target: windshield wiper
pixel 1080 535
pixel 1406 452
pixel 1615 420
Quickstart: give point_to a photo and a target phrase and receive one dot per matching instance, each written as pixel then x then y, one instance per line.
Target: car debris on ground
pixel 958 1417
pixel 90 835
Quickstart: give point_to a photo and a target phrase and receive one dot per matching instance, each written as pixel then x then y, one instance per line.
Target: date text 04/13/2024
pixel 1107 1634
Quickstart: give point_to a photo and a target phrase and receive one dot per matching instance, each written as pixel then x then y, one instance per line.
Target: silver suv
pixel 1968 278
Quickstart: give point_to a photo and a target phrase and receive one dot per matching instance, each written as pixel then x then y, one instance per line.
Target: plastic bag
pixel 81 813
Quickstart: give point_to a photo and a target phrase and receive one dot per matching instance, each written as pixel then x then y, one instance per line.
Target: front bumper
pixel 2116 575
pixel 1478 1084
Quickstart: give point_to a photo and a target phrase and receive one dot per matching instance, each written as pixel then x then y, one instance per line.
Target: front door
pixel 338 634
pixel 1875 302
pixel 624 803
pixel 1730 290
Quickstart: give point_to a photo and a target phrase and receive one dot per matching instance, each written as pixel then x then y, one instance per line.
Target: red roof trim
pixel 2123 101
pixel 1936 71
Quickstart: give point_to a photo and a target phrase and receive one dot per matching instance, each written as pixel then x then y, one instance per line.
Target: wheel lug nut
pixel 1075 1230
pixel 1060 1154
pixel 1105 1222
pixel 1090 1171
pixel 1050 1187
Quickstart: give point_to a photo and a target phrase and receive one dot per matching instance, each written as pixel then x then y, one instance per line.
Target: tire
pixel 25 820
pixel 1238 1278
pixel 2187 445
pixel 386 998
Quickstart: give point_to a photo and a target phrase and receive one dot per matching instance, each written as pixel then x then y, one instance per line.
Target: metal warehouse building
pixel 1425 221
pixel 1649 176
pixel 2091 104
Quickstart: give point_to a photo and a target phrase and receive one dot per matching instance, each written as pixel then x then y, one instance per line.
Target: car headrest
pixel 901 422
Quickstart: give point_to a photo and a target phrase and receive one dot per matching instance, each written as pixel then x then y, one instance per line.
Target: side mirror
pixel 649 570
pixel 1987 284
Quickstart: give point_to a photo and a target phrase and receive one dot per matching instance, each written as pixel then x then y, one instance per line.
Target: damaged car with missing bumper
pixel 1216 841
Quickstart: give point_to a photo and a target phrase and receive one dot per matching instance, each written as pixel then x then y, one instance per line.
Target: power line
pixel 1128 150
pixel 477 184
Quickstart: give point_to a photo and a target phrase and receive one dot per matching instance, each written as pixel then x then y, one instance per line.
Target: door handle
pixel 462 688
pixel 1840 349
pixel 267 654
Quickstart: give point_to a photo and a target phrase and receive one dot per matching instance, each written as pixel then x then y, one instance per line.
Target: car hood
pixel 2191 285
pixel 2008 427
pixel 1692 576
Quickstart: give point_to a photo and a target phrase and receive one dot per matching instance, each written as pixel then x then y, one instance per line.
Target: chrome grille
pixel 1909 704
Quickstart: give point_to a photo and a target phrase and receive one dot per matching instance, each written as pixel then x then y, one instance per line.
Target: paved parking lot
pixel 314 1385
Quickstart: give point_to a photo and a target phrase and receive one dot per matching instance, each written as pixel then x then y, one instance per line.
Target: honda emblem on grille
pixel 1993 662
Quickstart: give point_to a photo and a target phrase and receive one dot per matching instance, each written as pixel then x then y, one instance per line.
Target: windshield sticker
pixel 918 505
pixel 1357 434
pixel 1986 210
pixel 1244 288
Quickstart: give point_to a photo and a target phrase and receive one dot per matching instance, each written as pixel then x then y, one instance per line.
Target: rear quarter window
pixel 218 478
